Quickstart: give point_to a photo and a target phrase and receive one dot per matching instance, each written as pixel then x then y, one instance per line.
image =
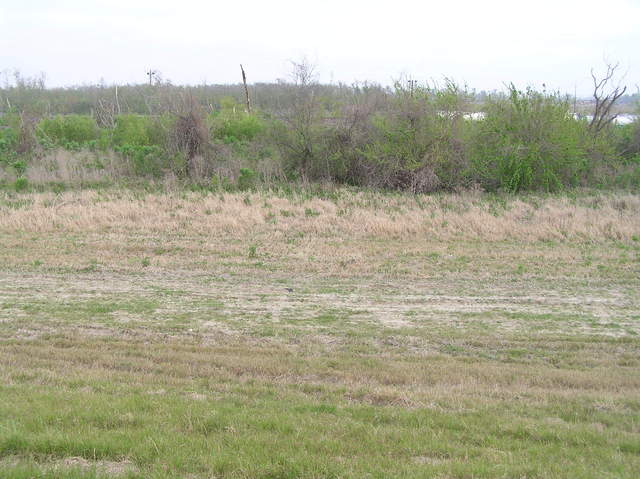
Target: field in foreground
pixel 352 335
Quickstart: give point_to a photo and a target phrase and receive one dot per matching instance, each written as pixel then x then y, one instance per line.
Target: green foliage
pixel 143 141
pixel 145 160
pixel 223 183
pixel 67 130
pixel 9 131
pixel 247 179
pixel 233 125
pixel 530 141
pixel 21 184
pixel 159 128
pixel 627 175
pixel 20 166
pixel 132 131
pixel 627 140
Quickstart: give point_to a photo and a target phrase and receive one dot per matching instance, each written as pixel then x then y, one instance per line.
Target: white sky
pixel 484 43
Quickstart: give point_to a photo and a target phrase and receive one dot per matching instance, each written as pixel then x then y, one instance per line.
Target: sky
pixel 483 43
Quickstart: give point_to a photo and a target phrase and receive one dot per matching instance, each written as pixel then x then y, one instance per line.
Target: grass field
pixel 351 334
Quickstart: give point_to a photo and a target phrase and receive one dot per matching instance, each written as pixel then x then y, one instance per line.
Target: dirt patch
pixel 109 468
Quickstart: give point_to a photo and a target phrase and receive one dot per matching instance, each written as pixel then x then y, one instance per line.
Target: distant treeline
pixel 411 136
pixel 32 95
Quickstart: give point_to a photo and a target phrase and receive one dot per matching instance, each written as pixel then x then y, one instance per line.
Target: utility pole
pixel 246 90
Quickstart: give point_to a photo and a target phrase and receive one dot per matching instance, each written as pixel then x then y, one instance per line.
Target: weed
pixel 21 184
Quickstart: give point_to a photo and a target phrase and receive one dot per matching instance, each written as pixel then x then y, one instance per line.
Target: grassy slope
pixel 188 335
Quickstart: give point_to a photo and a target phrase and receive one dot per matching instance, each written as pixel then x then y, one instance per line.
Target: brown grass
pixel 63 166
pixel 596 217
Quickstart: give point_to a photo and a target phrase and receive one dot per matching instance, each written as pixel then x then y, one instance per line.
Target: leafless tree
pixel 605 94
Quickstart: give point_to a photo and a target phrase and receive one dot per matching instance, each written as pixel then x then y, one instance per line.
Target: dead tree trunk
pixel 246 90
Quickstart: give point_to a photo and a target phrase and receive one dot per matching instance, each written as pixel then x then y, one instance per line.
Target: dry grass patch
pixel 597 217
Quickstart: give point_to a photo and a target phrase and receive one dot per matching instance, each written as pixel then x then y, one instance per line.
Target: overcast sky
pixel 483 43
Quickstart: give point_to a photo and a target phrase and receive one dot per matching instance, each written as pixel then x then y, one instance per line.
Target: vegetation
pixel 63 130
pixel 420 138
pixel 529 141
pixel 346 281
pixel 319 333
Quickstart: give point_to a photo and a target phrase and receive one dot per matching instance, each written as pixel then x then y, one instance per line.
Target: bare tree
pixel 606 95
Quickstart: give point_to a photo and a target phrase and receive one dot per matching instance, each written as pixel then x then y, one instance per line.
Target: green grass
pixel 376 357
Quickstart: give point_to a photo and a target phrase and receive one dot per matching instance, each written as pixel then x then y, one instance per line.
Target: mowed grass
pixel 196 335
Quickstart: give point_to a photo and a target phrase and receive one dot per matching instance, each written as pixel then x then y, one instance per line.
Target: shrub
pixel 628 139
pixel 145 160
pixel 247 179
pixel 530 141
pixel 190 140
pixel 131 130
pixel 303 133
pixel 159 129
pixel 9 132
pixel 67 129
pixel 221 183
pixel 234 127
pixel 8 144
pixel 420 143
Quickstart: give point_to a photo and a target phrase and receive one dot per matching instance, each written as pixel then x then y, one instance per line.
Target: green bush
pixel 146 160
pixel 247 179
pixel 131 130
pixel 233 125
pixel 627 139
pixel 159 129
pixel 67 130
pixel 9 132
pixel 530 141
pixel 8 143
pixel 141 130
